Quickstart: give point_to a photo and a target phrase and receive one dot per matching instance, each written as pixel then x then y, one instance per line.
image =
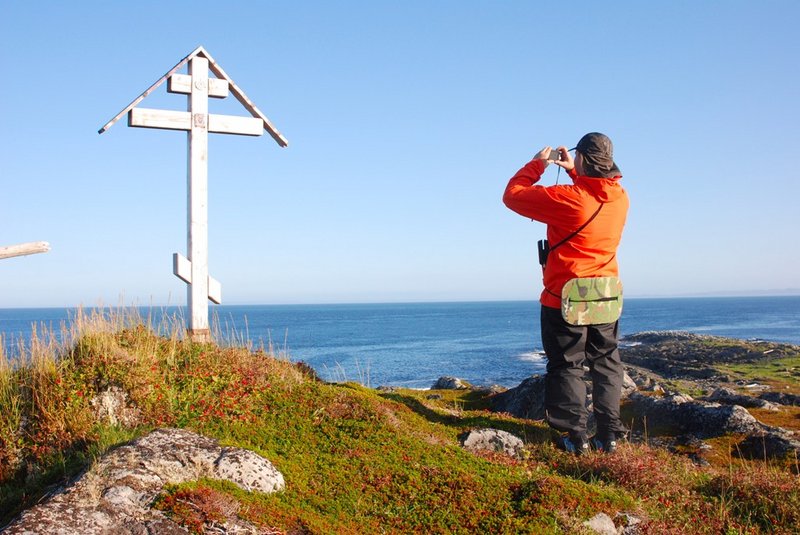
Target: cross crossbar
pixel 182 120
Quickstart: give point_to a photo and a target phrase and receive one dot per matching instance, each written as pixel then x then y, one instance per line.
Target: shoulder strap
pixel 579 228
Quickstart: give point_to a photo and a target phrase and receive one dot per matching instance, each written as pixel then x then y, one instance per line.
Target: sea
pixel 412 344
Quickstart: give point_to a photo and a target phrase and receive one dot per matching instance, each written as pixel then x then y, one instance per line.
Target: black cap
pixel 598 155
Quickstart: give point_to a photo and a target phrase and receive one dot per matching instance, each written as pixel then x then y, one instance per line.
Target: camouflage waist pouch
pixel 591 301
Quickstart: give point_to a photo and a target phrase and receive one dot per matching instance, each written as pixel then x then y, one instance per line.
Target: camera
pixel 554 156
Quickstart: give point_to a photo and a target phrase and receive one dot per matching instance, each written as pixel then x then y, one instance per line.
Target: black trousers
pixel 569 348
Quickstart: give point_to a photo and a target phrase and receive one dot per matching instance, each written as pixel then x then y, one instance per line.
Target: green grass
pixel 355 460
pixel 783 373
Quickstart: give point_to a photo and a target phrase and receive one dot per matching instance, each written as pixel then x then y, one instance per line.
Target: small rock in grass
pixel 493 440
pixel 601 523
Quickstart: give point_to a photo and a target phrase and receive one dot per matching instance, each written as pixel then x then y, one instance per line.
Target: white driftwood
pixel 22 249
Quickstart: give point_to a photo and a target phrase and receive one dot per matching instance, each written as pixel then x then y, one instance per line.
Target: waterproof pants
pixel 569 348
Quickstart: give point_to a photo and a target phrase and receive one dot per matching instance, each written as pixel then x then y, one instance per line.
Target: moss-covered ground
pixel 355 460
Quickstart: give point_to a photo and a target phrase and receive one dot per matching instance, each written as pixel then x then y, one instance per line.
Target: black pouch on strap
pixel 544 250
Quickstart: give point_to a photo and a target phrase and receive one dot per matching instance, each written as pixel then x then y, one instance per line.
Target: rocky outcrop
pixel 688 355
pixel 705 420
pixel 781 398
pixel 659 363
pixel 700 418
pixel 493 440
pixel 730 397
pixel 771 443
pixel 450 383
pixel 523 401
pixel 527 399
pixel 115 495
pixel 685 360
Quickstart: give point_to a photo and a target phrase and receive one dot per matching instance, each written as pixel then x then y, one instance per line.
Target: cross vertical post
pixel 197 210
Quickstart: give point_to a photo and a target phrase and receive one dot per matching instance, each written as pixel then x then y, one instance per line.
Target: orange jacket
pixel 564 208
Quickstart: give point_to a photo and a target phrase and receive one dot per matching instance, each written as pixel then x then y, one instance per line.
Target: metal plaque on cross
pixel 198 122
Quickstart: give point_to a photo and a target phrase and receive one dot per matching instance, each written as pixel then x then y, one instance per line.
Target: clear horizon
pixel 404 122
pixel 721 295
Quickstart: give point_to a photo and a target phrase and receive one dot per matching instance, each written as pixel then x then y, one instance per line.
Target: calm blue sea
pixel 485 343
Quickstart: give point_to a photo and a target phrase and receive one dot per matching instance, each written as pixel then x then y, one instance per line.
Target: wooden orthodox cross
pixel 198 85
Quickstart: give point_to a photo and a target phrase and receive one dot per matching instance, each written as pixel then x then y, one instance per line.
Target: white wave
pixel 533 356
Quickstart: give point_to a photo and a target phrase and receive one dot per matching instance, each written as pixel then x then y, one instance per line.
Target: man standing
pixel 582 296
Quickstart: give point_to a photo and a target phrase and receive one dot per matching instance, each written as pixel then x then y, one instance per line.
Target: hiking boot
pixel 573 444
pixel 607 443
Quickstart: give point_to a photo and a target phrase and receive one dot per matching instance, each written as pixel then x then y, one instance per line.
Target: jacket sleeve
pixel 544 204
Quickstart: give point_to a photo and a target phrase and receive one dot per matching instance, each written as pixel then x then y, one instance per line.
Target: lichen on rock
pixel 116 493
pixel 493 440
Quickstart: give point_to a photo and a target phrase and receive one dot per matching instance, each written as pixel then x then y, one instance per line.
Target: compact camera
pixel 554 156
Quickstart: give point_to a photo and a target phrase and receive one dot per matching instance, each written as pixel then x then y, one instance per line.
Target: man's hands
pixel 565 161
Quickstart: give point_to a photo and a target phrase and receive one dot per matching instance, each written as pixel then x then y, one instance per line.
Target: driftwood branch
pixel 23 249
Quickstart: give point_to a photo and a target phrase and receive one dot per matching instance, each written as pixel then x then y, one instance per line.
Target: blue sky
pixel 405 120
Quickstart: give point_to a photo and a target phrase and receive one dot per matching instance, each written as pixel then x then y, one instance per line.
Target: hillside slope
pixel 355 460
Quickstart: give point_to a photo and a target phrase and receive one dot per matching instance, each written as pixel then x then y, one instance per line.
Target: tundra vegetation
pixel 355 459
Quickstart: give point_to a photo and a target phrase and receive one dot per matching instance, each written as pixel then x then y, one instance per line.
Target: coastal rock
pixel 491 390
pixel 639 377
pixel 729 397
pixel 248 470
pixel 781 398
pixel 700 418
pixel 773 443
pixel 628 385
pixel 116 493
pixel 450 383
pixel 677 354
pixel 523 401
pixel 493 440
pixel 527 399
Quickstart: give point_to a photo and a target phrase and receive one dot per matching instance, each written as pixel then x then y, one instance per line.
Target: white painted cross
pixel 198 123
